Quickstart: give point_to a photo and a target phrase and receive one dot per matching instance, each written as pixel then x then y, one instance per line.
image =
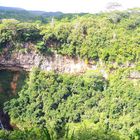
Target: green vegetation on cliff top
pixel 113 37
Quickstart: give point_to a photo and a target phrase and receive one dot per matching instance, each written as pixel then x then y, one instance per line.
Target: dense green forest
pixel 111 37
pixel 88 106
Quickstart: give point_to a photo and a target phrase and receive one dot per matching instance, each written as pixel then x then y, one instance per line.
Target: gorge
pixel 75 79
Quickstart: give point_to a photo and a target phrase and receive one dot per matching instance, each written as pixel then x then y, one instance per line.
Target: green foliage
pixel 36 133
pixel 14 34
pixel 46 94
pixel 103 36
pixel 55 100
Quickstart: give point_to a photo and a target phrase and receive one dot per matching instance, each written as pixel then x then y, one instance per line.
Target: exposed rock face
pixel 62 64
pixel 27 61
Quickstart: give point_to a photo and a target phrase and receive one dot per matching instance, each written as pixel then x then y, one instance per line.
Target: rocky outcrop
pixel 26 61
pixel 63 64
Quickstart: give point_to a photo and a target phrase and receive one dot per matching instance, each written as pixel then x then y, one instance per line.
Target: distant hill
pixel 28 15
pixel 16 13
pixel 10 8
pixel 46 14
pixel 25 15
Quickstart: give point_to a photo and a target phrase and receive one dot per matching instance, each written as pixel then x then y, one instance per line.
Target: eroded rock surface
pixel 55 62
pixel 62 64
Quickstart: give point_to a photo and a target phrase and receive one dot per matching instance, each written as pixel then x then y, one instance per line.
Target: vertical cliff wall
pixel 55 62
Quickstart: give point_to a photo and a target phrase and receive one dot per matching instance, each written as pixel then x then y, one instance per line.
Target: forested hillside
pixel 32 16
pixel 77 106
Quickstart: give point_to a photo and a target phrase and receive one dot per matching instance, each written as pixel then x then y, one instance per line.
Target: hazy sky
pixel 68 5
